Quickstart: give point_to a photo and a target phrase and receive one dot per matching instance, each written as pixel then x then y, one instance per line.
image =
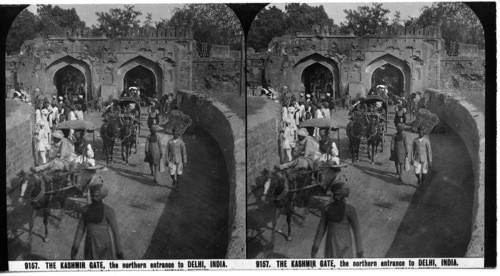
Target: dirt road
pixel 154 222
pixel 396 220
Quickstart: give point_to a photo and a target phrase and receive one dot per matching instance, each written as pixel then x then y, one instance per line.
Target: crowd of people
pixel 60 145
pixel 309 148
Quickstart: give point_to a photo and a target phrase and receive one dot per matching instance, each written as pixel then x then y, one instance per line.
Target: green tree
pixel 302 17
pixel 53 20
pixel 269 23
pixel 117 22
pixel 365 20
pixel 458 22
pixel 20 31
pixel 211 23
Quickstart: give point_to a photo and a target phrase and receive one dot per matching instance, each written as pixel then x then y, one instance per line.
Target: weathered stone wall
pixel 353 60
pixel 262 140
pixel 216 75
pixel 463 73
pixel 19 138
pixel 469 124
pixel 104 62
pixel 229 132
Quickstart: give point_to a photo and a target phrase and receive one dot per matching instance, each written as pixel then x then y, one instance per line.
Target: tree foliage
pixel 117 22
pixel 53 20
pixel 366 19
pixel 396 20
pixel 273 22
pixel 458 22
pixel 302 17
pixel 211 23
pixel 20 32
pixel 49 20
pixel 269 23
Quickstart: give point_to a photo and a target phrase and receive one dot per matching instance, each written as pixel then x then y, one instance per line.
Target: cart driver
pixel 65 154
pixel 308 150
pixel 83 149
pixel 328 148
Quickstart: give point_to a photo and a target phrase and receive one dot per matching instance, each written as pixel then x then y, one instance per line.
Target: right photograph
pixel 365 131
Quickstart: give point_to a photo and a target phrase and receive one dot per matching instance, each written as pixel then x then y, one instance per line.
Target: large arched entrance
pixel 315 73
pixel 142 78
pixel 69 82
pixel 391 76
pixel 144 72
pixel 318 80
pixel 391 71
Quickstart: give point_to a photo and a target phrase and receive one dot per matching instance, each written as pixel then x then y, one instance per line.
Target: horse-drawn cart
pixel 130 106
pixel 288 187
pixel 48 187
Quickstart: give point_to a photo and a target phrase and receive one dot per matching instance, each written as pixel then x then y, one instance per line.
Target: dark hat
pixel 340 186
pixel 97 188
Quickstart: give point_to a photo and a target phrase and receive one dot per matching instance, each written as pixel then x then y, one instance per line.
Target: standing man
pixel 176 158
pixel 421 156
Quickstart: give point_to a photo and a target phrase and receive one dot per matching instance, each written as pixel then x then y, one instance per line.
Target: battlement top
pixel 390 31
pixel 168 32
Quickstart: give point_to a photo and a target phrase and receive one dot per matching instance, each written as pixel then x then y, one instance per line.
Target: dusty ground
pixel 396 220
pixel 154 222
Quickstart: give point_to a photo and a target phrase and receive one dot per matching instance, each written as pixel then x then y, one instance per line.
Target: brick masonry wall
pixel 19 139
pixel 229 132
pixel 262 142
pixel 469 123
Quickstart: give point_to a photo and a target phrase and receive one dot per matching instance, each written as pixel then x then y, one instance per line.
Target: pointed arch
pixel 80 65
pixel 395 62
pixel 150 65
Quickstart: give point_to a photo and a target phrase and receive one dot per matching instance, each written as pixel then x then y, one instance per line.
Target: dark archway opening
pixel 391 76
pixel 142 78
pixel 69 82
pixel 318 80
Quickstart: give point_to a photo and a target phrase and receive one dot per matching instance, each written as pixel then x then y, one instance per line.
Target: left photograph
pixel 125 132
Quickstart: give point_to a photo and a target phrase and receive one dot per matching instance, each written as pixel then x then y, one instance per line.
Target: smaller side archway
pixel 69 81
pixel 54 76
pixel 316 64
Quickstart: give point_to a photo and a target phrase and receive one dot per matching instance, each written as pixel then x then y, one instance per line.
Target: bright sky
pixel 336 10
pixel 87 11
pixel 159 11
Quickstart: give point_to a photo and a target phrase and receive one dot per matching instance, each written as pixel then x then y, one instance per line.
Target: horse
pixel 289 186
pixel 109 131
pixel 128 138
pixel 278 186
pixel 45 189
pixel 355 131
pixel 373 138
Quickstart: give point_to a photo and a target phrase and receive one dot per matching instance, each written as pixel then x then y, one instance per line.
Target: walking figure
pixel 97 221
pixel 337 221
pixel 421 156
pixel 176 158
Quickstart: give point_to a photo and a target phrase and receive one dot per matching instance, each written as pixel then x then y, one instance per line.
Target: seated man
pixel 307 151
pixel 328 148
pixel 83 149
pixel 65 154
